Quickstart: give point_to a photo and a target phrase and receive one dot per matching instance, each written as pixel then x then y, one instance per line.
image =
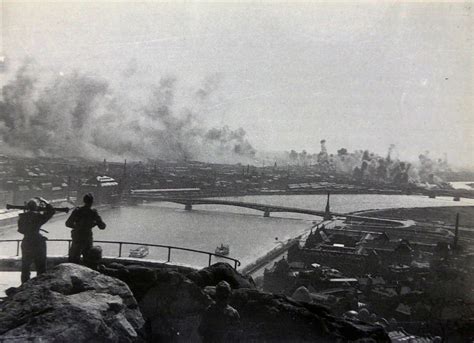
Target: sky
pixel 360 75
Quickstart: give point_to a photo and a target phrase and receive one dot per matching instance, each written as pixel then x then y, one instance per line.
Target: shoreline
pixel 463 193
pixel 442 215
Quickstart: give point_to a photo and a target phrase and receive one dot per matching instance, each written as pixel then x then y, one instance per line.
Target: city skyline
pixel 360 75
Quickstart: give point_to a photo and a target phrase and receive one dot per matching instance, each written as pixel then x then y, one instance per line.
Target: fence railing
pixel 122 243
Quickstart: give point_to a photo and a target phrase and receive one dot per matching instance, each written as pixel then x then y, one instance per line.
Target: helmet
pixel 223 290
pixel 32 205
pixel 88 198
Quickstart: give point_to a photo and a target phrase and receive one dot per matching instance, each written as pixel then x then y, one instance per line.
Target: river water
pixel 248 233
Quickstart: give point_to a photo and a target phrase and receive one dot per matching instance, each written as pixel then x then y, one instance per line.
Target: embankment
pixel 441 215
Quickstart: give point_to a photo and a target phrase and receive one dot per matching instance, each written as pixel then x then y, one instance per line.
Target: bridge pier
pixel 188 207
pixel 266 214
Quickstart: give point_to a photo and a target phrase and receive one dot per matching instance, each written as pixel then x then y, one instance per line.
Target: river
pixel 248 233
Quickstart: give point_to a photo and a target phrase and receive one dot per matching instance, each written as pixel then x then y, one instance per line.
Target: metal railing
pixel 121 243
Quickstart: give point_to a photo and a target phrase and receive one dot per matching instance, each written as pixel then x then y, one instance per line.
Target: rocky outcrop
pixel 138 278
pixel 71 303
pixel 277 318
pixel 173 308
pixel 212 275
pixel 174 305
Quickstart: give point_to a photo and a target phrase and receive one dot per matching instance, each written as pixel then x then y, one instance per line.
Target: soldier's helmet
pixel 32 205
pixel 223 290
pixel 88 198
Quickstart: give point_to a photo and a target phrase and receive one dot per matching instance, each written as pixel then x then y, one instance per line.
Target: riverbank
pixel 441 216
pixel 316 188
pixel 437 215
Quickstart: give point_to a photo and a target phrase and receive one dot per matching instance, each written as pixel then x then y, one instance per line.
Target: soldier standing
pixel 33 246
pixel 81 221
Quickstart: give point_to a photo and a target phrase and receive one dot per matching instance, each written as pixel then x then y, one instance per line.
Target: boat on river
pixel 140 252
pixel 223 250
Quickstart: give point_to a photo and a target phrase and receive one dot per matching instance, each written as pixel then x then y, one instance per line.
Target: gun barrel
pixel 22 207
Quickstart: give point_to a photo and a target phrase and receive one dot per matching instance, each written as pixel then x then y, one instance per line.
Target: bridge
pixel 189 202
pixel 266 209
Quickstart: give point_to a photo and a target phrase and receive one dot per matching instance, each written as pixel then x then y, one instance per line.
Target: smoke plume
pixel 227 140
pixel 363 165
pixel 79 115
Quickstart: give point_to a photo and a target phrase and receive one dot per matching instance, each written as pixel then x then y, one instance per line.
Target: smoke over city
pixel 80 115
pixel 363 165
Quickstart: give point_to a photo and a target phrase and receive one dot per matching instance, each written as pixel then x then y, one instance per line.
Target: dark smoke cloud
pixel 227 140
pixel 80 115
pixel 429 169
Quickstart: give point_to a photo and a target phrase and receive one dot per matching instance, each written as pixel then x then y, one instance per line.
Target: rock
pixel 269 317
pixel 11 291
pixel 137 277
pixel 116 265
pixel 173 307
pixel 302 294
pixel 141 273
pixel 71 303
pixel 211 276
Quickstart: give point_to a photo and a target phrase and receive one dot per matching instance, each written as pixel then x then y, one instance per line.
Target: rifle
pixel 39 209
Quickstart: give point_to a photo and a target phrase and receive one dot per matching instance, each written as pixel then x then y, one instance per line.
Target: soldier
pixel 81 221
pixel 220 322
pixel 33 246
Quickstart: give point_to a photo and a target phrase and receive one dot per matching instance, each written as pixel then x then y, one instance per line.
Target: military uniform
pixel 81 221
pixel 33 246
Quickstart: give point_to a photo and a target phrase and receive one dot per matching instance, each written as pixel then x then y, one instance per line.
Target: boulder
pixel 302 294
pixel 71 303
pixel 271 317
pixel 173 308
pixel 212 275
pixel 137 277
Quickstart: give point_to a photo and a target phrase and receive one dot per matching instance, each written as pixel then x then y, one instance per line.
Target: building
pixel 104 188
